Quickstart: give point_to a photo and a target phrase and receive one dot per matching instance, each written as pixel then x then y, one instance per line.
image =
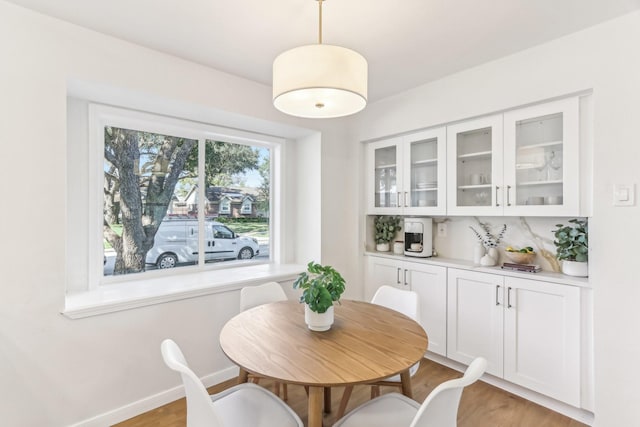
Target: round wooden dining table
pixel 367 342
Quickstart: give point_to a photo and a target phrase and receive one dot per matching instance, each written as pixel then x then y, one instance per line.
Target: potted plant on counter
pixel 386 228
pixel 321 287
pixel 572 247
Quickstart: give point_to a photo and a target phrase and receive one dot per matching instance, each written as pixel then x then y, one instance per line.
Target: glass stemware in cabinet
pixel 554 164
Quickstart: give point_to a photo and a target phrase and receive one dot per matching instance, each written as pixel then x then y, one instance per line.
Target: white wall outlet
pixel 624 194
pixel 442 229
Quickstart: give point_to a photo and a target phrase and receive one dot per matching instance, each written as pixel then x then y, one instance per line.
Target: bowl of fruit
pixel 520 256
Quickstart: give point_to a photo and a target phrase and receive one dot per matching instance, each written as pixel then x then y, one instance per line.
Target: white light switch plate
pixel 624 194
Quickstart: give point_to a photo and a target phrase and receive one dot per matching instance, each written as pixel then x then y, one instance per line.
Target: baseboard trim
pixel 577 414
pixel 146 404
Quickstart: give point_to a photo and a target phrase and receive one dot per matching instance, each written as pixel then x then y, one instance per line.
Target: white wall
pixel 56 371
pixel 77 369
pixel 606 59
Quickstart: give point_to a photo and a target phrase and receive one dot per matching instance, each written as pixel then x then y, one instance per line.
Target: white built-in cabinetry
pixel 428 281
pixel 528 330
pixel 406 175
pixel 522 162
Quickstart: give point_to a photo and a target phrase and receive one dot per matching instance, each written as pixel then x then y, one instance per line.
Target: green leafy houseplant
pixel 321 285
pixel 386 228
pixel 572 241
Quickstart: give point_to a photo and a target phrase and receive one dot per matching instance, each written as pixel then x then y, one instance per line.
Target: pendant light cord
pixel 320 21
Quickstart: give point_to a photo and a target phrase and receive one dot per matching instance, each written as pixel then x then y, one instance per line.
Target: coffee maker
pixel 418 239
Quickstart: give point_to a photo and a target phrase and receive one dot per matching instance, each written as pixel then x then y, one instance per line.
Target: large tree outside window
pixel 152 179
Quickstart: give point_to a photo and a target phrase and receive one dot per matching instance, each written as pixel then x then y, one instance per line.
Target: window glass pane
pixel 237 190
pixel 151 202
pixel 149 195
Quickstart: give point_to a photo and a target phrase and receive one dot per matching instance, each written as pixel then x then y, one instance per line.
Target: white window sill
pixel 124 296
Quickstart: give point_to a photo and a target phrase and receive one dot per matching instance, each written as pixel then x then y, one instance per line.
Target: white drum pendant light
pixel 320 81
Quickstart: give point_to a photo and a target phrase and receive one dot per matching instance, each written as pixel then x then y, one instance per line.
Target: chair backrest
pixel 404 301
pixel 200 411
pixel 440 408
pixel 253 296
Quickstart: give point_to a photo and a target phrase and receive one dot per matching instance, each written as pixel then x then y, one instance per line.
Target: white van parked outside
pixel 177 241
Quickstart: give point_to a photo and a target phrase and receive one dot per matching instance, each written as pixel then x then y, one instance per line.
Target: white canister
pixel 398 247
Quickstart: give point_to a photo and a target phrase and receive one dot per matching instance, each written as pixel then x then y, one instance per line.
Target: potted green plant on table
pixel 321 287
pixel 572 247
pixel 385 228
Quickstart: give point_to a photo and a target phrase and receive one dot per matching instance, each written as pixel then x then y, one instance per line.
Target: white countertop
pixel 545 276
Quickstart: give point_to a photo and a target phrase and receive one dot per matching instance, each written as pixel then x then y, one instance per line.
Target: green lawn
pixel 254 229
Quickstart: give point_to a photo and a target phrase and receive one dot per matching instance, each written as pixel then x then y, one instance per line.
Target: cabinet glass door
pixel 424 176
pixel 541 158
pixel 539 154
pixel 424 173
pixel 385 177
pixel 475 166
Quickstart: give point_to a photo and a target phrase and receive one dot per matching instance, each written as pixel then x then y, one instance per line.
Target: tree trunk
pixel 141 219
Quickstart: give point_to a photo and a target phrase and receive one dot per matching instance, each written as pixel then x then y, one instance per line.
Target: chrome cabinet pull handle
pixel 508 194
pixel 405 277
pixel 497 291
pixel 509 297
pixel 398 276
pixel 406 197
pixel 497 189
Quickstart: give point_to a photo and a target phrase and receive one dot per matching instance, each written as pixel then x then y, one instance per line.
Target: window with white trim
pixel 246 208
pixel 159 180
pixel 225 206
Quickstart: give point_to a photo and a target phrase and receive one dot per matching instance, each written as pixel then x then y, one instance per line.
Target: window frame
pixel 224 207
pixel 101 115
pixel 248 204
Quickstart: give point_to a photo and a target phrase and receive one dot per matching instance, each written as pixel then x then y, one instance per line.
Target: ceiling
pixel 407 42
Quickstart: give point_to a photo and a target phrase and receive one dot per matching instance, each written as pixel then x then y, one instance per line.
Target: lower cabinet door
pixel 383 271
pixel 430 283
pixel 542 338
pixel 475 318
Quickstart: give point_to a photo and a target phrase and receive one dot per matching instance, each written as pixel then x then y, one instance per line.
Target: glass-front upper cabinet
pixel 541 159
pixel 383 158
pixel 425 172
pixel 474 169
pixel 407 175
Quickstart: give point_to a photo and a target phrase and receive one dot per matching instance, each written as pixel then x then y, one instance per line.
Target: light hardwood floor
pixel 482 405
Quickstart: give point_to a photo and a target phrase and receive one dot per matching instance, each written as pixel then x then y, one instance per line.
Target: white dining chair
pixel 241 405
pixel 405 302
pixel 439 409
pixel 253 296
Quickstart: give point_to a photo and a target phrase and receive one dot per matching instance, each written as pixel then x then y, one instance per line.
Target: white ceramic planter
pixel 493 253
pixel 318 321
pixel 573 268
pixel 382 247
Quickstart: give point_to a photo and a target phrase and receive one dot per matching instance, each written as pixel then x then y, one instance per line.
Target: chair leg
pixel 375 391
pixel 285 396
pixel 346 395
pixel 276 388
